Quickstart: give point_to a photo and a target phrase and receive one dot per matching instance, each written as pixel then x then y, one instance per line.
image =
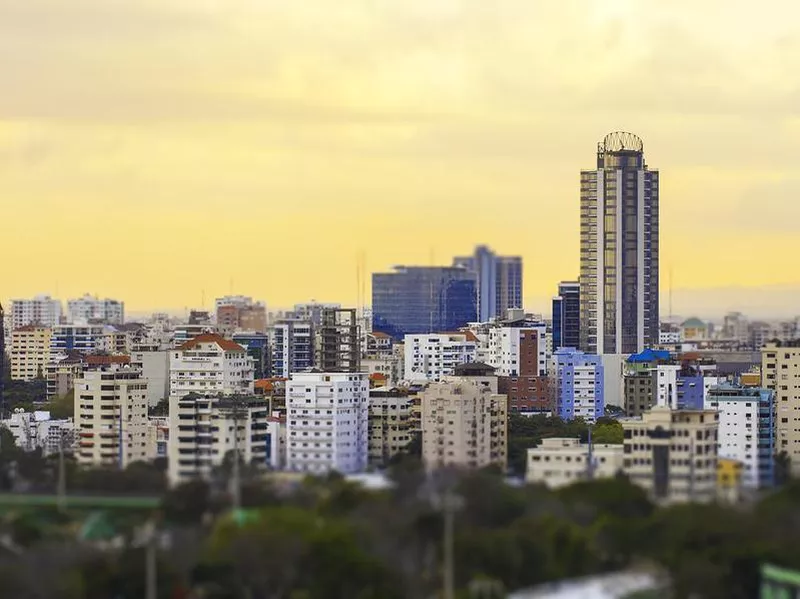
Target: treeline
pixel 328 538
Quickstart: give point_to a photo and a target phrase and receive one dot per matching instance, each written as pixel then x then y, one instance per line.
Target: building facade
pixel 557 462
pixel 327 422
pixel 578 385
pixel 672 454
pixel 619 249
pixel 206 431
pixel 240 313
pixel 209 365
pixel 338 341
pixel 747 431
pixel 567 315
pixel 111 416
pixel 42 310
pixel 37 430
pixel 93 309
pixel 780 372
pixel 423 299
pixel 390 424
pixel 434 356
pixel 30 352
pixel 464 423
pixel 291 346
pixel 498 280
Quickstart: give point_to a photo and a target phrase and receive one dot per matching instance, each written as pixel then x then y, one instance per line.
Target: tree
pixel 63 406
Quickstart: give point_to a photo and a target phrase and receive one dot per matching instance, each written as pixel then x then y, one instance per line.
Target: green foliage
pixel 63 406
pixel 525 432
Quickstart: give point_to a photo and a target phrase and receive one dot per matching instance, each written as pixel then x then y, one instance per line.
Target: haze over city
pixel 156 150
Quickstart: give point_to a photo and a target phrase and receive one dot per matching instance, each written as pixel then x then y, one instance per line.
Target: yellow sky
pixel 151 150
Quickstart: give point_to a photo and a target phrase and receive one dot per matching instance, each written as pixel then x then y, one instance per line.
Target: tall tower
pixel 619 249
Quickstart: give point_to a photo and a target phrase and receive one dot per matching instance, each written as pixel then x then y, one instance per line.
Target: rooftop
pixel 223 343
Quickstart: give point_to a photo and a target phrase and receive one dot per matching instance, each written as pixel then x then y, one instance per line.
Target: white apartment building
pixel 327 422
pixel 390 428
pixel 464 423
pixel 187 332
pixel 672 454
pixel 42 310
pixel 36 430
pixel 518 350
pixel 111 416
pixel 204 430
pixel 87 339
pixel 391 366
pixel 666 385
pixel 210 364
pixel 746 431
pixel 276 442
pixel 560 461
pixel 91 308
pixel 780 372
pixel 30 352
pixel 430 357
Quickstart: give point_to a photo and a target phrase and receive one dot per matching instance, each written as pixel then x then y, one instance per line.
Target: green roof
pixel 693 323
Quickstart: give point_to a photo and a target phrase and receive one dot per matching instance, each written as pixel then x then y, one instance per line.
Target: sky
pixel 166 151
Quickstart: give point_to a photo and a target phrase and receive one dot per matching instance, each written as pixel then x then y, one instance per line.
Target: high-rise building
pixel 30 352
pixel 240 313
pixel 567 315
pixel 206 430
pixel 780 372
pixel 327 422
pixel 465 420
pixel 498 279
pixel 291 346
pixel 423 299
pixel 747 430
pixel 91 308
pixel 338 341
pixel 41 310
pixel 578 385
pixel 111 416
pixel 619 249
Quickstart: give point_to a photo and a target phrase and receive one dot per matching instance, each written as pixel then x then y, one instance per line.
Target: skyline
pixel 297 136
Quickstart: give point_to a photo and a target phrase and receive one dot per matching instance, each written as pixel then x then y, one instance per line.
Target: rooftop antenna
pixel 670 293
pixel 358 283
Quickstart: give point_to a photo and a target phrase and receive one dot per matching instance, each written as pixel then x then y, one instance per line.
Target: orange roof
pixel 264 384
pixel 30 327
pixel 225 344
pixel 377 376
pixel 470 336
pixel 380 335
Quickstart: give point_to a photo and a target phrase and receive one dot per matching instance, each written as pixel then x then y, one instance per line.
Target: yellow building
pixel 672 454
pixel 750 379
pixel 729 479
pixel 30 352
pixel 780 372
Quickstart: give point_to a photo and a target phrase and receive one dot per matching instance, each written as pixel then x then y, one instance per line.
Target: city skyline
pixel 427 129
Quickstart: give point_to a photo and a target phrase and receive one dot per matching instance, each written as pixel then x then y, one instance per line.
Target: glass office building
pixel 423 299
pixel 498 280
pixel 567 315
pixel 619 249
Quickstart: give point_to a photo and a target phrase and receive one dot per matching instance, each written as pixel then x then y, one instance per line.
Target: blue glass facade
pixel 256 345
pixel 498 280
pixel 567 315
pixel 423 299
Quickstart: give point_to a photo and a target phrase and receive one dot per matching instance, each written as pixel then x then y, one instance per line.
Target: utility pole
pixel 590 458
pixel 151 563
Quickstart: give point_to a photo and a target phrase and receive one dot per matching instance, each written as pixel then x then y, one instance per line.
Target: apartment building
pixel 464 422
pixel 517 348
pixel 338 341
pixel 111 416
pixel 747 431
pixel 672 454
pixel 42 311
pixel 430 357
pixel 390 424
pixel 578 385
pixel 90 308
pixel 154 365
pixel 204 430
pixel 61 373
pixel 780 372
pixel 30 352
pixel 327 422
pixel 291 346
pixel 157 437
pixel 560 461
pixel 87 339
pixel 38 431
pixel 240 313
pixel 209 365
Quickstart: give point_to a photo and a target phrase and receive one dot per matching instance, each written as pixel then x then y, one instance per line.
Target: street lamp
pixel 448 503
